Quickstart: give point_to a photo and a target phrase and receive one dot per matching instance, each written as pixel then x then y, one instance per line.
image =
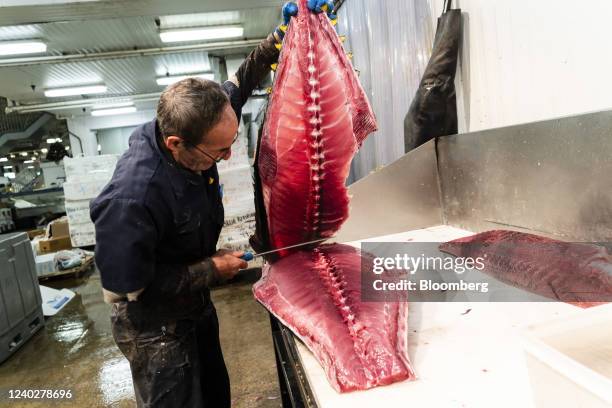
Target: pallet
pixel 75 272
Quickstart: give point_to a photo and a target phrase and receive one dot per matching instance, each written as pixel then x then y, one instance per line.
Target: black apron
pixel 433 111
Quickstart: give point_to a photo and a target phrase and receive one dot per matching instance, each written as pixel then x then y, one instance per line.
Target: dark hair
pixel 190 108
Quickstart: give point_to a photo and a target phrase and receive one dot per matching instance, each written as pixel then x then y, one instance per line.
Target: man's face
pixel 217 144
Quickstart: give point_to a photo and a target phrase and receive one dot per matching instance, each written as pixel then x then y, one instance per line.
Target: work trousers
pixel 174 363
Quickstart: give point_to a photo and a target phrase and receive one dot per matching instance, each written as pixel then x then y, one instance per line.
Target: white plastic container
pixel 570 360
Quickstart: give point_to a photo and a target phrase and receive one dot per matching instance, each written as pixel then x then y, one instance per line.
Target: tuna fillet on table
pixel 318 295
pixel 317 118
pixel 576 273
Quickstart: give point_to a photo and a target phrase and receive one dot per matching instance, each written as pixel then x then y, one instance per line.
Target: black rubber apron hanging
pixel 433 111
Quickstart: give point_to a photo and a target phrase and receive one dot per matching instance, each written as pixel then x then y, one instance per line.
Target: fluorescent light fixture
pixel 167 80
pixel 3 159
pixel 59 140
pixel 22 47
pixel 113 105
pixel 51 141
pixel 13 156
pixel 30 167
pixel 201 33
pixel 8 167
pixel 77 90
pixel 44 150
pixel 23 154
pixel 114 111
pixel 28 162
pixel 9 175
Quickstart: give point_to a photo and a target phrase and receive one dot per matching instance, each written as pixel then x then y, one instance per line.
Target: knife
pixel 249 256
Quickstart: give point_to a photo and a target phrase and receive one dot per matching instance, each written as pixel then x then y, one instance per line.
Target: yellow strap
pixel 269 90
pixel 334 21
pixel 274 66
pixel 211 180
pixel 278 46
pixel 342 38
pixel 349 55
pixel 283 28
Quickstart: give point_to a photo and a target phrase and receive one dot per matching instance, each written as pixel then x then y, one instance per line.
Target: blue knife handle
pixel 248 256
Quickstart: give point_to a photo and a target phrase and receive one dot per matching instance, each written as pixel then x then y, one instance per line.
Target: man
pixel 157 226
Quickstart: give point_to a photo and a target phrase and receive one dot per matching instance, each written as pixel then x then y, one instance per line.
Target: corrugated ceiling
pixel 123 76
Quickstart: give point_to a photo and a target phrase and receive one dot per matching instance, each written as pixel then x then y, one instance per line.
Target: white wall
pixel 114 140
pixel 530 60
pixel 85 127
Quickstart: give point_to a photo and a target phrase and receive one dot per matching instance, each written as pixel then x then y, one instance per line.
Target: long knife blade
pixel 249 256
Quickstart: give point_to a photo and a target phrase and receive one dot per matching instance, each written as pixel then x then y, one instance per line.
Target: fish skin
pixel 576 273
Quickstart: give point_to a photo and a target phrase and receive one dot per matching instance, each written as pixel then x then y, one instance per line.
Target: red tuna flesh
pixel 317 118
pixel 318 295
pixel 570 272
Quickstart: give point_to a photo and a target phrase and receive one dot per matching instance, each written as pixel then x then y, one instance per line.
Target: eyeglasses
pixel 215 159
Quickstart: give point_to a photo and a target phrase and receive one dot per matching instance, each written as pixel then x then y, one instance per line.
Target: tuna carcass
pixel 317 118
pixel 576 273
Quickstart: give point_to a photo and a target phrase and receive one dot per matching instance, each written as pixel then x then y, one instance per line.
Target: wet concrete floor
pixel 75 351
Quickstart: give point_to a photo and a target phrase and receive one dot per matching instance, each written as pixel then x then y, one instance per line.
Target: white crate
pixel 570 360
pixel 84 190
pixel 83 234
pixel 45 264
pixel 83 166
pixel 77 212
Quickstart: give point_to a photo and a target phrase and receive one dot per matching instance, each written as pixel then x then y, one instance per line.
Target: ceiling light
pixel 30 167
pixel 8 167
pixel 24 154
pixel 3 159
pixel 44 150
pixel 167 80
pixel 113 105
pixel 22 47
pixel 201 33
pixel 59 140
pixel 12 156
pixel 28 162
pixel 77 90
pixel 115 111
pixel 51 141
pixel 67 147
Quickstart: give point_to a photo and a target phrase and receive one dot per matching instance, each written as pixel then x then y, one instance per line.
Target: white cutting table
pixel 461 360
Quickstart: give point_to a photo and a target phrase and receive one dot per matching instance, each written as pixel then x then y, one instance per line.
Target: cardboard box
pixel 36 233
pixel 59 228
pixel 46 246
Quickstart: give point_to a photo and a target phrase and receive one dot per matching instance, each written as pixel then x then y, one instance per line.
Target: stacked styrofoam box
pixel 236 181
pixel 6 220
pixel 85 179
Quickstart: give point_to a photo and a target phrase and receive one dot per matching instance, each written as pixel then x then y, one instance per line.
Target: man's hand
pixel 290 9
pixel 228 263
pixel 318 6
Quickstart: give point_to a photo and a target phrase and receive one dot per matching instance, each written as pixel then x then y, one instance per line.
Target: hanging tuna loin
pixel 317 118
